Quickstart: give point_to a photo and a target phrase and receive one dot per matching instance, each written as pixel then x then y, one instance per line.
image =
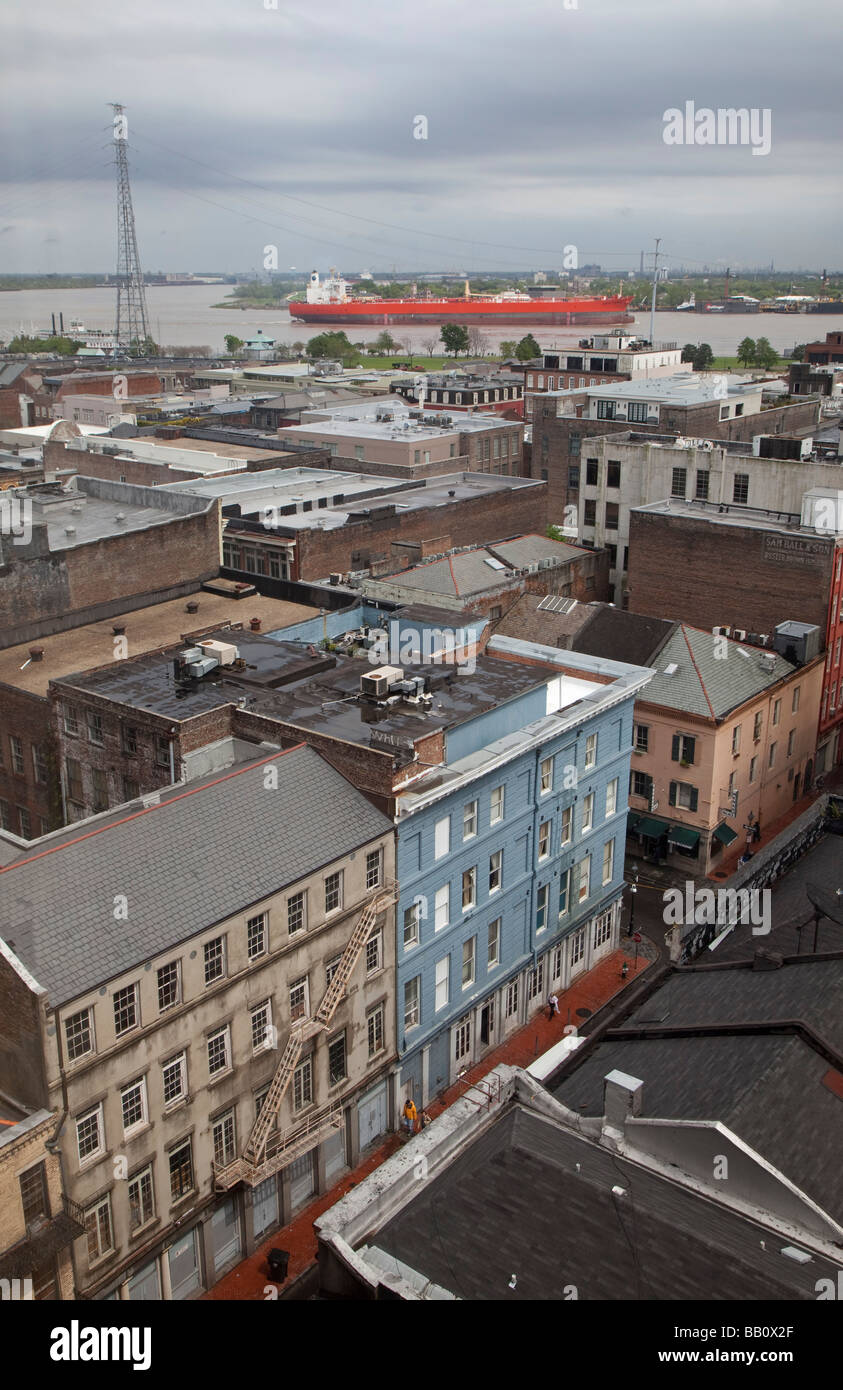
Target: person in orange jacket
pixel 410 1116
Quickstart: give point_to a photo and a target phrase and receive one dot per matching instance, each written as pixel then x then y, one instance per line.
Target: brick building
pixel 606 357
pixel 38 1223
pixel 687 405
pixel 489 393
pixel 744 571
pixel 827 353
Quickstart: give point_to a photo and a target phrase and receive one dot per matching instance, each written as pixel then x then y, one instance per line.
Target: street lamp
pixel 633 889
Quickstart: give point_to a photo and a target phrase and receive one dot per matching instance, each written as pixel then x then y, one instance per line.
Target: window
pixel 753 769
pixel 25 822
pixel 224 1139
pixel 181 1170
pixel 512 998
pixel 442 909
pixel 613 473
pixel 411 1002
pixel 636 412
pixel 535 981
pixel 573 477
pixel 591 472
pixel 263 1035
pixel 756 727
pixel 544 839
pixel 79 1034
pixel 496 870
pixel 374 953
pixel 219 1051
pixel 141 1199
pixel 612 516
pixel 90 1139
pixel 605 410
pixel 39 763
pixel 577 946
pixel 740 491
pixel 736 739
pixel 541 908
pixel 683 748
pixel 99 1229
pixel 162 751
pixel 565 832
pixel 546 775
pixel 131 789
pixel 564 888
pixel 585 878
pixel 374 1029
pixel 300 997
pixel 496 805
pixel 794 704
pixel 602 929
pixel 733 782
pixel 33 1195
pixel 608 861
pixel 95 727
pixel 71 720
pixel 5 815
pixel 373 868
pixel 612 797
pixel 468 961
pixel 169 985
pixel 331 968
pixel 772 757
pixel 791 736
pixel 99 792
pixel 73 770
pixel 411 925
pixel 469 889
pixel 777 711
pixel 678 482
pixel 701 491
pixel 333 892
pixel 295 913
pixel 683 794
pixel 130 740
pixel 494 943
pixel 589 512
pixel 641 737
pixel 587 813
pixel 469 820
pixel 256 936
pixel 591 750
pixel 214 959
pixel 442 837
pixel 174 1078
pixel 125 1009
pixel 337 1068
pixel 641 784
pixel 133 1106
pixel 443 971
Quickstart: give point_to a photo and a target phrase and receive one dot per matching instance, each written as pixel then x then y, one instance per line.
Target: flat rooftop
pixel 281 487
pixel 159 625
pixel 733 514
pixel 360 420
pixel 78 517
pixel 685 388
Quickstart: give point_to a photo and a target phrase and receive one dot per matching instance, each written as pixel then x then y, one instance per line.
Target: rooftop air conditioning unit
pixel 223 653
pixel 739 634
pixel 377 683
pixel 722 631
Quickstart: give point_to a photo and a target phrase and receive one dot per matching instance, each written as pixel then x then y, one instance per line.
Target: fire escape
pixel 266 1150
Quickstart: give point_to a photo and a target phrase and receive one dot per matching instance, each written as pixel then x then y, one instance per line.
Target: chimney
pixel 622 1098
pixel 36 653
pixel 192 606
pixel 255 624
pixel 118 629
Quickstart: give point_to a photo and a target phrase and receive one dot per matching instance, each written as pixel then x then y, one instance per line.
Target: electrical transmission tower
pixel 131 330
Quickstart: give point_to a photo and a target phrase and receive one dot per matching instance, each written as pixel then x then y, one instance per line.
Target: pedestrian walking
pixel 553 1006
pixel 410 1116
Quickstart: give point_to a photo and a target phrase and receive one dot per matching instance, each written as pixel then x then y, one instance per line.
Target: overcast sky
pixel 545 129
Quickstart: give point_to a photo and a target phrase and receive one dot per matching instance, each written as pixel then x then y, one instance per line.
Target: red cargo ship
pixel 330 302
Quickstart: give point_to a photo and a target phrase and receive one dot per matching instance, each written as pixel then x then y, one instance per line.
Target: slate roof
pixel 209 850
pixel 10 371
pixel 532 1199
pixel 711 685
pixel 470 572
pixel 630 637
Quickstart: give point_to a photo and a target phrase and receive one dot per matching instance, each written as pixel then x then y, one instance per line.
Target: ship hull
pixel 559 312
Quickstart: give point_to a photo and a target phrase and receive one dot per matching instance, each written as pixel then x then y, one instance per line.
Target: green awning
pixel 651 826
pixel 683 836
pixel 725 834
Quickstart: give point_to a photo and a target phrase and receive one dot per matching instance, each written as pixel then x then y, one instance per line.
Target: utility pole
pixel 655 287
pixel 132 320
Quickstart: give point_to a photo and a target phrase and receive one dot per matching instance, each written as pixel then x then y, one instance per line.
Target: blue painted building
pixel 510 861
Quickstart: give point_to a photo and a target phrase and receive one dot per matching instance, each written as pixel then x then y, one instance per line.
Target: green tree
pixel 747 349
pixel 527 348
pixel 704 357
pixel 333 345
pixel 507 347
pixel 232 343
pixel 383 345
pixel 59 347
pixel 689 353
pixel 554 534
pixel 454 337
pixel 797 353
pixel 765 354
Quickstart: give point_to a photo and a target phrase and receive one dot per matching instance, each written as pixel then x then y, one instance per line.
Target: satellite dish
pixel 825 904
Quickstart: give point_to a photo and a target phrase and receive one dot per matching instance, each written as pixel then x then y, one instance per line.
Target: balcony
pixel 43 1242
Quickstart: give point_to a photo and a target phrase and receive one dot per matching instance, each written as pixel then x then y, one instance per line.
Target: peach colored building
pixel 724 741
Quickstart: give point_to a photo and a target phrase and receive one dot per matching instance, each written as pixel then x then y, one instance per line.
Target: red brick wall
pixel 136 384
pixel 28 717
pixel 21 1057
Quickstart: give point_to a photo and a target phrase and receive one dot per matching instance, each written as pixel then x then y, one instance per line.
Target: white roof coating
pixel 685 388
